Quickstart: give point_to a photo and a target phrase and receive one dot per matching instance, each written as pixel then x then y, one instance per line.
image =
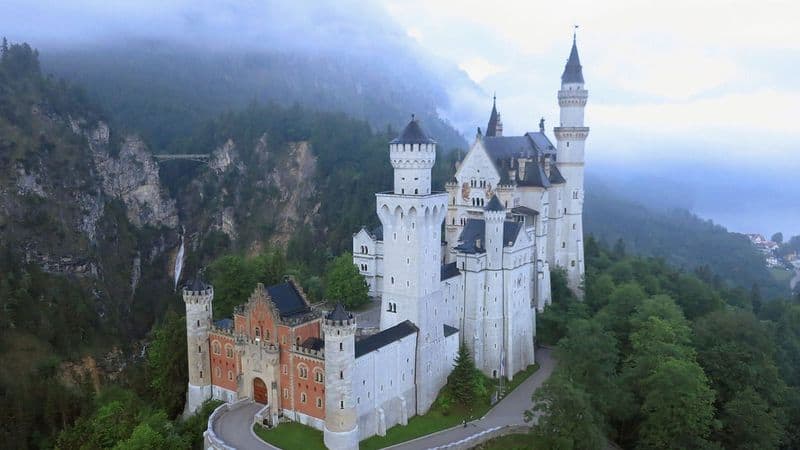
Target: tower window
pixel 563 245
pixel 416 191
pixel 341 374
pixel 572 263
pixel 319 402
pixel 341 346
pixel 341 404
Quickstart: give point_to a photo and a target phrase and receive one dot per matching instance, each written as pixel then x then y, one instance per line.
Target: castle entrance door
pixel 259 391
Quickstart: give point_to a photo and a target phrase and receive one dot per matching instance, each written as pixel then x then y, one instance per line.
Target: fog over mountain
pixel 715 137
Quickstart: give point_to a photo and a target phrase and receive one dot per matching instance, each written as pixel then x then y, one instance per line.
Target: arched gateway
pixel 259 391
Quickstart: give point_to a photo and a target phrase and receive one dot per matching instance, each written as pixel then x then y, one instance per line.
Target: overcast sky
pixel 705 80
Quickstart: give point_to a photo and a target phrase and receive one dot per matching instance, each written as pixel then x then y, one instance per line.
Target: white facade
pixel 499 283
pixel 384 387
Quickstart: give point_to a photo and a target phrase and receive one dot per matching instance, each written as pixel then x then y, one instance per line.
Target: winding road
pixel 235 427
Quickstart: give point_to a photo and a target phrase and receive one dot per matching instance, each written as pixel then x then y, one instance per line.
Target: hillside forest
pixel 94 323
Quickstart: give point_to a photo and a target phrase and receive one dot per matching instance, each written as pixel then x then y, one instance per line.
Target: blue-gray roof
pixel 573 72
pixel 449 331
pixel 491 128
pixel 534 176
pixel 449 271
pixel 413 134
pixel 555 175
pixel 287 299
pixel 225 324
pixel 475 229
pixel 374 342
pixel 495 205
pixel 339 313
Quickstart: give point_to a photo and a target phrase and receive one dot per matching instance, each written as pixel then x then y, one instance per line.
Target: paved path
pixel 235 428
pixel 508 412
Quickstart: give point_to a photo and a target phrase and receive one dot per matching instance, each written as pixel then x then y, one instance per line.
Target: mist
pixel 667 140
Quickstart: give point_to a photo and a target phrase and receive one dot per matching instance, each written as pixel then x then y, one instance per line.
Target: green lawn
pixel 510 442
pixel 436 420
pixel 292 435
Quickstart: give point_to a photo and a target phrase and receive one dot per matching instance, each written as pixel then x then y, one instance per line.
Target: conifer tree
pixel 463 382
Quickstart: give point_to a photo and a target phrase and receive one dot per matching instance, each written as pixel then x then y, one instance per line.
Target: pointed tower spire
pixel 573 72
pixel 495 126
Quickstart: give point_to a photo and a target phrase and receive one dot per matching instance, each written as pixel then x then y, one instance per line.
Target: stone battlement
pixel 299 349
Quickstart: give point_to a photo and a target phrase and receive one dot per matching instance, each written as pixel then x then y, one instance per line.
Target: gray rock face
pixel 132 176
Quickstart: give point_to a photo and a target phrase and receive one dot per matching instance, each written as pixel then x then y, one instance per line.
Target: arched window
pixel 218 372
pixel 302 371
pixel 341 346
pixel 297 341
pixel 258 332
pixel 216 348
pixel 416 191
pixel 319 402
pixel 572 263
pixel 229 351
pixel 230 375
pixel 563 245
pixel 319 377
pixel 266 334
pixel 303 397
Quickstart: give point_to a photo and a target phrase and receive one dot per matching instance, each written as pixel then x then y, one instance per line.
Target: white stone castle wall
pixel 383 386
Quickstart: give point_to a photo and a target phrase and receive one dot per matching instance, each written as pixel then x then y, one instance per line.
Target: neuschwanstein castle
pixel 470 265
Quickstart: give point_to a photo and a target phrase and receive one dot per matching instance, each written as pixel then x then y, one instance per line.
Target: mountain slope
pixel 681 238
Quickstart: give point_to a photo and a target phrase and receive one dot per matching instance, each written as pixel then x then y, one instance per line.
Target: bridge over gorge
pixel 197 157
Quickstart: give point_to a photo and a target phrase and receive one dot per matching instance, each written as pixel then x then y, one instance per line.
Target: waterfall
pixel 179 264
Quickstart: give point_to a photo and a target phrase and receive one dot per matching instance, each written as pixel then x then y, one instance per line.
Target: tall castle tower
pixel 198 297
pixel 494 342
pixel 412 218
pixel 571 136
pixel 341 417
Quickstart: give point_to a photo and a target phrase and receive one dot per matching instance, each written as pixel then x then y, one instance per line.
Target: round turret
pixel 412 155
pixel 341 417
pixel 198 298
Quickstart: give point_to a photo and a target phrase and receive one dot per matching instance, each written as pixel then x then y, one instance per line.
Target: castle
pixel 467 266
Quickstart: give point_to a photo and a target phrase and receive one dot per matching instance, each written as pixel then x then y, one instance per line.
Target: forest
pixel 102 365
pixel 659 358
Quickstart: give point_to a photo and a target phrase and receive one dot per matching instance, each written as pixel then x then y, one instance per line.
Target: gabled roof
pixel 555 175
pixel 377 233
pixel 374 342
pixel 287 298
pixel 495 205
pixel 475 229
pixel 449 271
pixel 339 313
pixel 413 134
pixel 573 72
pixel 534 176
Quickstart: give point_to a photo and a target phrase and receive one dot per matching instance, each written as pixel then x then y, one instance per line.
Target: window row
pixel 216 348
pixel 218 373
pixel 302 372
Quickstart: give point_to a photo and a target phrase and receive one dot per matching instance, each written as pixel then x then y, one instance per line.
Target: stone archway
pixel 259 391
